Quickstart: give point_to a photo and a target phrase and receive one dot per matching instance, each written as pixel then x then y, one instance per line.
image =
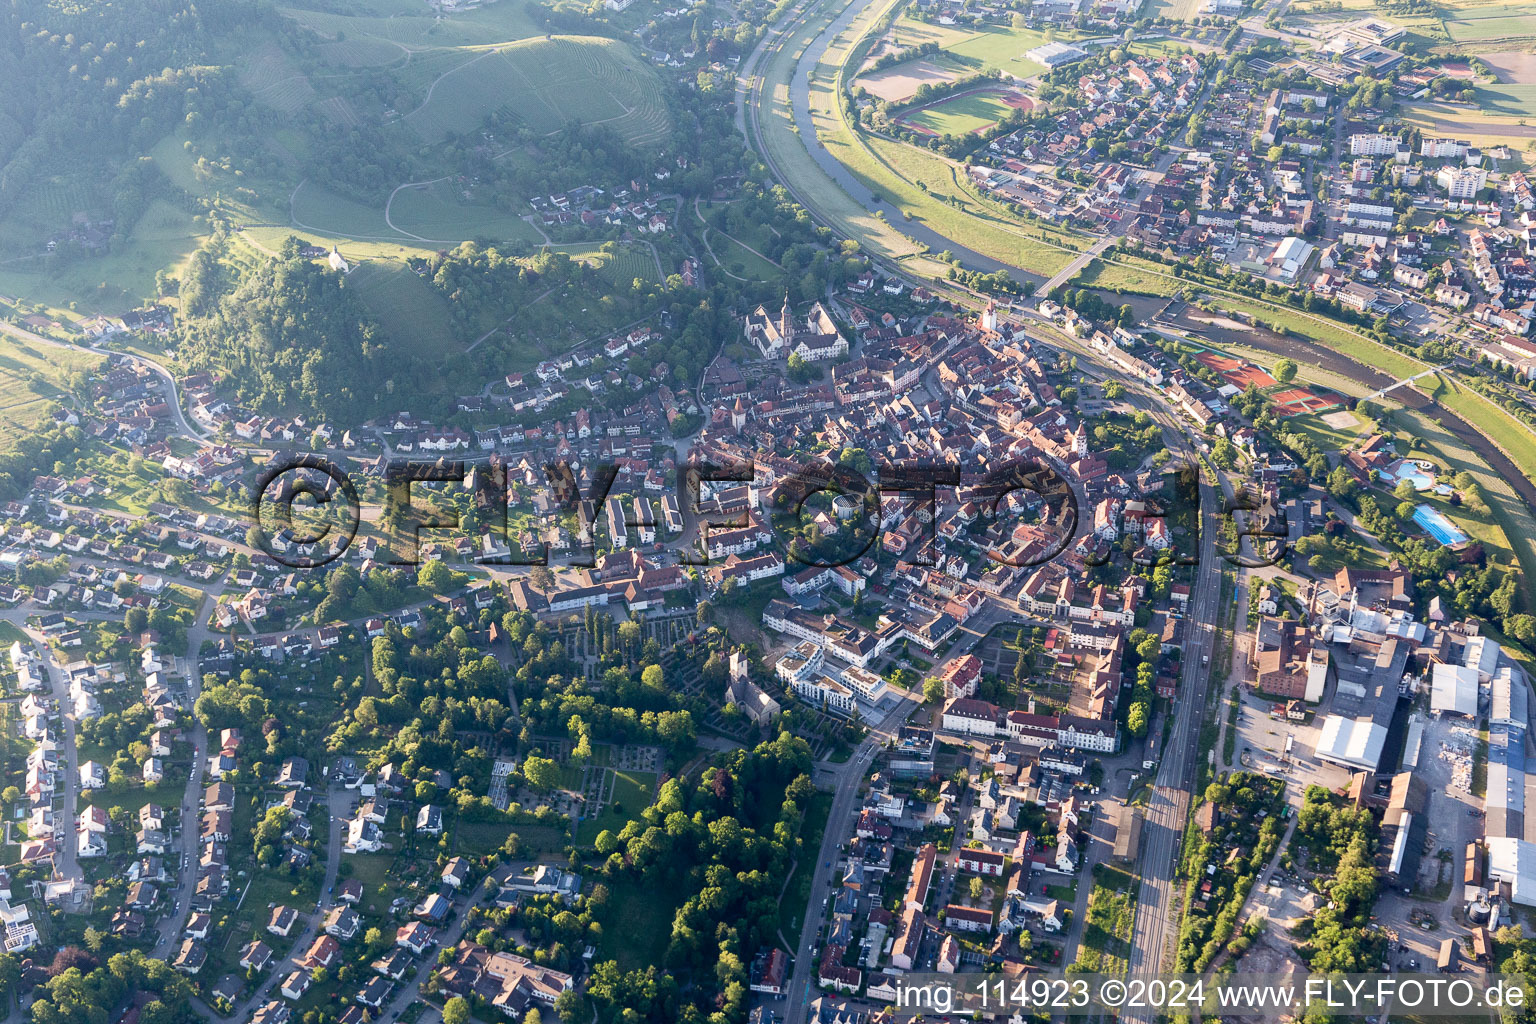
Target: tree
pixel 977 887
pixel 1285 370
pixel 933 691
pixel 456 1011
pixel 568 1006
pixel 434 577
pixel 541 772
pixel 1340 484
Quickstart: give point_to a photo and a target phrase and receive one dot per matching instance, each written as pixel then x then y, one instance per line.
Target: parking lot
pixel 1261 747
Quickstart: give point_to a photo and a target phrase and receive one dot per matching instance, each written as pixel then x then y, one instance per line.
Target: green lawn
pixel 631 794
pixel 1329 439
pixel 642 938
pixel 372 869
pixel 734 255
pixel 961 115
pixel 549 81
pixel 994 47
pixel 1126 273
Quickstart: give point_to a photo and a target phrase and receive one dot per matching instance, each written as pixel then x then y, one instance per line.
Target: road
pixel 844 779
pixel 191 800
pixel 1170 801
pixel 67 779
pixel 339 803
pixel 168 382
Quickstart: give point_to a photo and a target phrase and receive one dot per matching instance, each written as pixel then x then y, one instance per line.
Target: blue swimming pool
pixel 1414 472
pixel 1438 527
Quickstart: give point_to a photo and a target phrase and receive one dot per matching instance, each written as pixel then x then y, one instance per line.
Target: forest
pixel 287 333
pixel 727 843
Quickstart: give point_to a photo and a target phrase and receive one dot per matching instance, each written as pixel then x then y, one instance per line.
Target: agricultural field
pixel 275 80
pixel 1177 10
pixel 629 262
pixel 1483 22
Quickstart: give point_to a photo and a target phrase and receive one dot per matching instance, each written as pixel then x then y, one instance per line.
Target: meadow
pixel 548 82
pixel 439 210
pixel 413 315
pixel 32 378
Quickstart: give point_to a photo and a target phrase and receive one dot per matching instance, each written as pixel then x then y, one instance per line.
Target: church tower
pixel 787 323
pixel 738 416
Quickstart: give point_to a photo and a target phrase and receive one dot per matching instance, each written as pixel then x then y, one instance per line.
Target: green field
pixel 1328 439
pixel 316 209
pixel 439 211
pixel 1488 21
pixel 631 794
pixel 548 82
pixel 409 25
pixel 994 47
pixel 31 377
pixel 641 939
pixel 1507 98
pixel 732 254
pixel 961 115
pixel 1126 273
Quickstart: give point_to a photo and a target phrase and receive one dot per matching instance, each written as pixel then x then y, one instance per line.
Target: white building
pixel 1373 144
pixel 825 692
pixel 1442 149
pixel 1453 690
pixel 1462 183
pixel 1353 742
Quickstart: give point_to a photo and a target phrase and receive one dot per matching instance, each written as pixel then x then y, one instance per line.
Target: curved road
pixel 173 396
